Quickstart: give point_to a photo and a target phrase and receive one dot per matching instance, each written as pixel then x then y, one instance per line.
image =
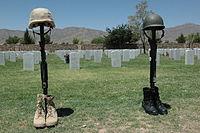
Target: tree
pixel 196 38
pixel 27 38
pixel 120 37
pixel 166 41
pixel 48 39
pixel 76 41
pixel 81 42
pixel 12 40
pixel 190 39
pixel 21 41
pixel 181 39
pixel 99 40
pixel 136 21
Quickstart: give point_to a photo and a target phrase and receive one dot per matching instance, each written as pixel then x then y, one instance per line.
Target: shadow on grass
pixel 62 112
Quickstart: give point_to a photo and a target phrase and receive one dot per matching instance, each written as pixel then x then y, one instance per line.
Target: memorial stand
pixel 151 102
pixel 47 115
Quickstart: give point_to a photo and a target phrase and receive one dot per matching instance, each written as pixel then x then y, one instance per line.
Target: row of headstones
pixel 81 53
pixel 176 54
pixel 115 55
pixel 126 55
pixel 30 58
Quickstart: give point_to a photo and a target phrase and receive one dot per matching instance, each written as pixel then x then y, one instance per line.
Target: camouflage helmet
pixel 153 22
pixel 41 15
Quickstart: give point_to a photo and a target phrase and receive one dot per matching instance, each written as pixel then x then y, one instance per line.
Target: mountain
pixel 59 35
pixel 5 33
pixel 86 35
pixel 68 34
pixel 174 32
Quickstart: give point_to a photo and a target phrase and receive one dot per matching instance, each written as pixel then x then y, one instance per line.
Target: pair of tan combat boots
pixel 50 118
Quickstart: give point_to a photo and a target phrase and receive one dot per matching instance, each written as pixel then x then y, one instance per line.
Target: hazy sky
pixel 96 14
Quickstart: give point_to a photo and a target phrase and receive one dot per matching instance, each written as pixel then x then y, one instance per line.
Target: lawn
pixel 99 98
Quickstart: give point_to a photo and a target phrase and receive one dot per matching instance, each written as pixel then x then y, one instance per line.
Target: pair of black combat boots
pixel 152 103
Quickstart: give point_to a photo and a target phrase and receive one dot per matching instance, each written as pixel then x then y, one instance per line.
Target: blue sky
pixel 96 14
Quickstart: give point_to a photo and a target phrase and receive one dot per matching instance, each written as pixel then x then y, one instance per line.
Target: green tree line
pixel 191 38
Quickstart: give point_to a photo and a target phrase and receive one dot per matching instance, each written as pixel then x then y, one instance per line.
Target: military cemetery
pixel 136 59
pixel 68 68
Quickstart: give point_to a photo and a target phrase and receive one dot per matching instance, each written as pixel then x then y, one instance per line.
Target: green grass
pixel 103 98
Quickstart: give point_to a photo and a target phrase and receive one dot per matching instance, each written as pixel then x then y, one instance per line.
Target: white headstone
pixel 170 53
pixel 106 52
pixel 196 51
pixel 92 52
pixel 177 54
pixel 189 57
pixel 37 57
pixel 97 56
pixel 137 52
pixel 126 55
pixel 12 57
pixel 74 60
pixel 28 62
pixel 116 58
pixel 7 55
pixel 173 53
pixel 141 51
pixel 132 54
pixel 109 53
pixel 182 51
pixel 87 55
pixel 2 59
pixel 81 53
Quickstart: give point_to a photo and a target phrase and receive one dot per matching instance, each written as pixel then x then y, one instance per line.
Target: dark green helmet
pixel 153 22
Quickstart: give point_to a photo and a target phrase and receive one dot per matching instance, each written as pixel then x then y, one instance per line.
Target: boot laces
pixel 40 111
pixel 50 111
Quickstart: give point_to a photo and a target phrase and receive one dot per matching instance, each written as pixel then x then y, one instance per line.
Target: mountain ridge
pixel 67 34
pixel 172 33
